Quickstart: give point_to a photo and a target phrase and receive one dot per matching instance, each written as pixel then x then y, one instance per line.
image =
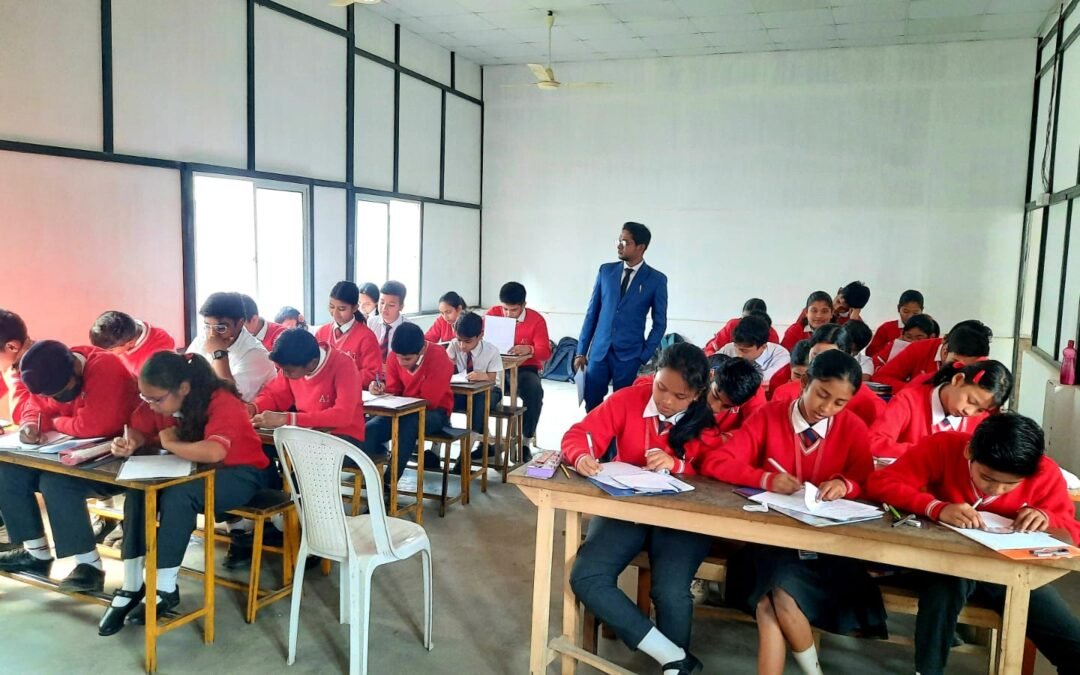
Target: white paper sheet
pixel 897 347
pixel 459 378
pixel 67 445
pixel 143 467
pixel 1072 482
pixel 11 442
pixel 810 498
pixel 388 401
pixel 579 380
pixel 499 331
pixel 839 509
pixel 1005 542
pixel 649 481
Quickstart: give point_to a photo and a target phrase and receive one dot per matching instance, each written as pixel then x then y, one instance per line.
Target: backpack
pixel 650 366
pixel 560 367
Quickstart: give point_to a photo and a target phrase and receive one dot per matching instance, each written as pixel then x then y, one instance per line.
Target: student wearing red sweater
pixel 316 387
pixel 266 332
pixel 451 307
pixel 665 426
pixel 787 384
pixel 418 369
pixel 727 333
pixel 967 342
pixel 348 333
pixel 14 341
pixel 952 478
pixel 850 302
pixel 818 312
pixel 735 391
pixel 530 339
pixel 957 398
pixel 192 414
pixel 132 340
pixel 916 329
pixel 910 304
pixel 813 439
pixel 83 392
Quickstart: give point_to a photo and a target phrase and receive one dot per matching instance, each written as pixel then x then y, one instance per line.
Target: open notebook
pixel 620 479
pixel 804 507
pixel 998 536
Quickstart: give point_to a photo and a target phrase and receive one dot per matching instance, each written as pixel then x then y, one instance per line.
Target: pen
pixel 588 439
pixel 908 519
pixel 1049 552
pixel 977 502
pixel 895 514
pixel 565 472
pixel 127 438
pixel 777 465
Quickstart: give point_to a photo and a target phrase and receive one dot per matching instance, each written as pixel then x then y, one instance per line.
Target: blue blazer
pixel 618 325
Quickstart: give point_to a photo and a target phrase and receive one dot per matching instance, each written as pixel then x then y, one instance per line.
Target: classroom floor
pixel 483 582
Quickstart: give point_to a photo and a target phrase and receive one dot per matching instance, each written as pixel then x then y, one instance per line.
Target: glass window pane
pixel 1071 311
pixel 1068 132
pixel 371 223
pixel 224 236
pixel 279 250
pixel 1045 89
pixel 1031 270
pixel 405 250
pixel 1051 281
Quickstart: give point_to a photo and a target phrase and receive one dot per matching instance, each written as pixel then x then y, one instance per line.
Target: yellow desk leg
pixel 465 461
pixel 150 504
pixel 394 459
pixel 545 533
pixel 420 467
pixel 208 561
pixel 485 439
pixel 1014 626
pixel 570 611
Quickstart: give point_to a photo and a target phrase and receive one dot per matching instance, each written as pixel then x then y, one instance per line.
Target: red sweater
pixel 532 331
pixel 157 340
pixel 18 396
pixel 908 419
pixel 227 424
pixel 328 399
pixel 359 344
pixel 935 473
pixel 865 403
pixel 619 418
pixel 726 334
pixel 734 418
pixel 778 380
pixel 430 381
pixel 744 459
pixel 273 331
pixel 919 358
pixel 885 334
pixel 440 331
pixel 793 334
pixel 102 408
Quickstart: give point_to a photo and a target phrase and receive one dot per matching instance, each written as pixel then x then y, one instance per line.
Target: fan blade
pixel 542 73
pixel 586 85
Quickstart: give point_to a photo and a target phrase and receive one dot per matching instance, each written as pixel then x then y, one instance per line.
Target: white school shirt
pixel 249 363
pixel 485 356
pixel 378 326
pixel 938 414
pixel 799 423
pixel 770 362
pixel 866 363
pixel 651 411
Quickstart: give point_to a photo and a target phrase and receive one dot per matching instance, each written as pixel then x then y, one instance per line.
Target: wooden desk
pixel 714 510
pixel 107 473
pixel 470 391
pixel 418 406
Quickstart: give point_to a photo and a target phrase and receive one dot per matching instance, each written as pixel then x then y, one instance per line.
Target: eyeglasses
pixel 154 401
pixel 218 328
pixel 623 242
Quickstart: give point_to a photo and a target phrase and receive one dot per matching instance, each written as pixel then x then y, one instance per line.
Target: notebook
pixel 802 507
pixel 620 479
pixel 998 536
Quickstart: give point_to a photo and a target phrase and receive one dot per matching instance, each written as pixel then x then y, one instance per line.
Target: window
pixel 249 238
pixel 388 245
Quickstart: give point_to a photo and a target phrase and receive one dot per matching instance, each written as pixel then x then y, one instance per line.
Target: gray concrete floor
pixel 483 574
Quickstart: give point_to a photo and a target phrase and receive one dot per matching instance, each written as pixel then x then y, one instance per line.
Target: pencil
pixel 776 464
pixel 565 472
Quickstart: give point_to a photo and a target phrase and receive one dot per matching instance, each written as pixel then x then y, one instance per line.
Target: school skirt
pixel 835 594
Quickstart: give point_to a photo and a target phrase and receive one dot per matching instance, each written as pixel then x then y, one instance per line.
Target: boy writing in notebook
pixel 14 341
pixel 132 340
pixel 954 477
pixel 479 361
pixel 751 342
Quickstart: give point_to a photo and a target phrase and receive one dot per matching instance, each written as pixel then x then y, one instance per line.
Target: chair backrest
pixel 312 470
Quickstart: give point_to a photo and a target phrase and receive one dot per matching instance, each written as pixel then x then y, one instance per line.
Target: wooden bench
pixel 508 437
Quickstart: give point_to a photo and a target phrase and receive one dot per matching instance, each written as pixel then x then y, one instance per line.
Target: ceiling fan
pixel 346 3
pixel 545 76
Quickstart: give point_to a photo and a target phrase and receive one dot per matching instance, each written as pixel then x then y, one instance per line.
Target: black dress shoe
pixel 113 619
pixel 432 461
pixel 102 527
pixel 478 452
pixel 687 666
pixel 20 560
pixel 114 538
pixel 85 578
pixel 238 555
pixel 166 603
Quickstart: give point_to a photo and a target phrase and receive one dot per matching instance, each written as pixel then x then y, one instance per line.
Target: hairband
pixel 978 376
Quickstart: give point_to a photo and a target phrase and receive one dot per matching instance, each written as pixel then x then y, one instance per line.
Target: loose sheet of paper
pixel 459 378
pixel 579 380
pixel 11 442
pixel 499 331
pixel 143 467
pixel 1011 540
pixel 622 475
pixel 840 509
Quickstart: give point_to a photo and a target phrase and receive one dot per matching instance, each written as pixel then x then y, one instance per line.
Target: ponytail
pixel 347 292
pixel 168 370
pixel 454 300
pixel 992 376
pixel 690 361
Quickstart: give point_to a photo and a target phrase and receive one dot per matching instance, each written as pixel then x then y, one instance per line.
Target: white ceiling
pixel 492 32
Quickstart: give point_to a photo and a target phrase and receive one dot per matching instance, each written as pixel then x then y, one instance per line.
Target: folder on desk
pixel 620 479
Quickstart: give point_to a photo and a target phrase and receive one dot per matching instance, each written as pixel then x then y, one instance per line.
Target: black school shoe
pixel 239 554
pixel 20 560
pixel 166 603
pixel 688 666
pixel 113 619
pixel 85 578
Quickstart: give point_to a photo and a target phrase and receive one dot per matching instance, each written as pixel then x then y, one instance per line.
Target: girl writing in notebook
pixel 957 398
pixel 812 439
pixel 193 414
pixel 968 342
pixel 451 307
pixel 663 427
pixel 348 333
pixel 916 329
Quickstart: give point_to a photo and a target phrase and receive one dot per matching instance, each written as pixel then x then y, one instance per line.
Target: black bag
pixel 650 366
pixel 560 367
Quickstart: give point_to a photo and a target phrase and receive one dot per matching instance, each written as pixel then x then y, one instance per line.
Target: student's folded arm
pixel 897 372
pixel 275 396
pixel 106 408
pixel 149 424
pixel 713 346
pixel 343 412
pixel 659 320
pixel 588 324
pixel 1053 499
pixel 207 451
pixel 733 462
pixel 887 429
pixel 600 425
pixel 903 483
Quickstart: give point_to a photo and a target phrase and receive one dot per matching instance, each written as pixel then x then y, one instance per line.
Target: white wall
pixel 766 174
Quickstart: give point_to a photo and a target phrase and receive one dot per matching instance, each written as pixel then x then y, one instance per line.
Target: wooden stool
pixel 355 481
pixel 508 418
pixel 445 440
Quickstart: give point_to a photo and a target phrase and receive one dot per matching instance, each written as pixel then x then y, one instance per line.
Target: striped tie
pixel 384 346
pixel 468 362
pixel 943 425
pixel 809 438
pixel 662 426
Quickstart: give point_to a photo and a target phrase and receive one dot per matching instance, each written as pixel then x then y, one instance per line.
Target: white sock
pixel 133 580
pixel 166 579
pixel 243 525
pixel 808 661
pixel 39 548
pixel 661 649
pixel 89 558
pixel 278 521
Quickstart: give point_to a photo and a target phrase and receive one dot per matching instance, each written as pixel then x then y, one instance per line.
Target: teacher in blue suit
pixel 613 344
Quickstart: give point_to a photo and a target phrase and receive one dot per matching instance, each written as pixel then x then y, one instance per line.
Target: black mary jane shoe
pixel 114 617
pixel 166 603
pixel 688 666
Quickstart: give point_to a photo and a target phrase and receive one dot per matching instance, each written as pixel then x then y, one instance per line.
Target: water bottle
pixel 1068 364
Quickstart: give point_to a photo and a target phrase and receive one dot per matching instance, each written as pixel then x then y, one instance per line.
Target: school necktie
pixel 809 437
pixel 468 362
pixel 662 426
pixel 337 333
pixel 943 425
pixel 384 346
pixel 627 271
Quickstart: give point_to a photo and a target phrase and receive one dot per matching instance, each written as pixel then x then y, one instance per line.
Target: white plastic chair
pixel 358 543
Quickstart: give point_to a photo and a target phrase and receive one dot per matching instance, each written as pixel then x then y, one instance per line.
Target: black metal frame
pixel 1054 39
pixel 187 170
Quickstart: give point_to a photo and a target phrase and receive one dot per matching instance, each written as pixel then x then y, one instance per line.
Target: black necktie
pixel 627 271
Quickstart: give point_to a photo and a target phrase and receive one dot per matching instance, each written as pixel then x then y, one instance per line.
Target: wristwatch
pixel 220 354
